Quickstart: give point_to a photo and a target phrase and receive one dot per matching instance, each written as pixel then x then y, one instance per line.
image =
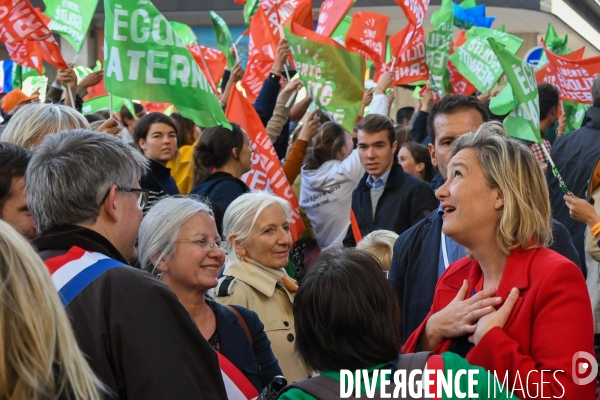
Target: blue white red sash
pixel 238 387
pixel 74 271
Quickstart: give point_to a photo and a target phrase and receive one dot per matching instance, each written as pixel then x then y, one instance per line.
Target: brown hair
pixel 327 143
pixel 374 123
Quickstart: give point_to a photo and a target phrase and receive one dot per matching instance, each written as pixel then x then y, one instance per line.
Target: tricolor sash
pixel 238 387
pixel 74 271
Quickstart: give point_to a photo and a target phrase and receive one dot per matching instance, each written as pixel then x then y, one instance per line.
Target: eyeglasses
pixel 142 199
pixel 203 242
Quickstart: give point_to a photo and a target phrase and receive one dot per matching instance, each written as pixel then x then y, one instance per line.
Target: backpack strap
pixel 242 323
pixel 412 361
pixel 321 387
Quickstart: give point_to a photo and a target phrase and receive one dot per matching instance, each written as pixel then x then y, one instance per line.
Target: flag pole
pixel 393 63
pixel 68 89
pixel 110 104
pixel 555 171
pixel 282 35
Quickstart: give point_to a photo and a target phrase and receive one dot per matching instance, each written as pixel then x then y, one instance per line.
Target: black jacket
pixel 414 269
pixel 257 363
pixel 220 188
pixel 138 338
pixel 405 201
pixel 575 156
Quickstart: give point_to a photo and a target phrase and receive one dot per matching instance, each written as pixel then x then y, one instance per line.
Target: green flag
pixel 555 44
pixel 468 4
pixel 575 112
pixel 71 19
pixel 101 103
pixel 332 75
pixel 152 63
pixel 476 61
pixel 224 38
pixel 185 33
pixel 339 34
pixel 524 120
pixel 250 8
pixel 437 47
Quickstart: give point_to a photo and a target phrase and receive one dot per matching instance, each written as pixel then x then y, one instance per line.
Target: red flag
pixel 216 60
pixel 153 106
pixel 267 173
pixel 196 52
pixel 330 15
pixel 367 36
pixel 574 78
pixel 281 12
pixel 414 10
pixel 27 37
pixel 548 74
pixel 409 56
pixel 261 55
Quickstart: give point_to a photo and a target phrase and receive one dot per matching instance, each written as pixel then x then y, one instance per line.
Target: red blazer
pixel 551 321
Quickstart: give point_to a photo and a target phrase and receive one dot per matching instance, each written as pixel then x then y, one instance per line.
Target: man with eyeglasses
pixel 84 195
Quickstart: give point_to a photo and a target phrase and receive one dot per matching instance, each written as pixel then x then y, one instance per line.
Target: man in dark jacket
pixel 575 156
pixel 386 197
pixel 138 338
pixel 419 258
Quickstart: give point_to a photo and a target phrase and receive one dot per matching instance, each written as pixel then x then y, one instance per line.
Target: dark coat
pixel 220 188
pixel 138 338
pixel 575 156
pixel 414 269
pixel 549 323
pixel 405 201
pixel 257 363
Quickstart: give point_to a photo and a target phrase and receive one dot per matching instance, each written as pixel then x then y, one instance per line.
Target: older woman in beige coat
pixel 257 228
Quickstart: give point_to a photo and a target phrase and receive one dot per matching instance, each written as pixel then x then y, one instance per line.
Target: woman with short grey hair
pixel 179 243
pixel 257 228
pixel 33 122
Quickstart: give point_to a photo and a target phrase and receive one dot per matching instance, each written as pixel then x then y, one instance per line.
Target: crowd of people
pixel 135 262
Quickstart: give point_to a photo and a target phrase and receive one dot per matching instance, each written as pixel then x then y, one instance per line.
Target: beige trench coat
pixel 257 288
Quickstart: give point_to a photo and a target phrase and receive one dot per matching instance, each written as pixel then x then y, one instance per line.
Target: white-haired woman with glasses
pixel 179 243
pixel 257 228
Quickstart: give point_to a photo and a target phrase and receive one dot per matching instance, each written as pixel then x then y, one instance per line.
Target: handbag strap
pixel 242 323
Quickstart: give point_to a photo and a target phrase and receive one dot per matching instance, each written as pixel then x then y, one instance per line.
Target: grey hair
pixel 161 227
pixel 71 173
pixel 33 122
pixel 596 92
pixel 241 215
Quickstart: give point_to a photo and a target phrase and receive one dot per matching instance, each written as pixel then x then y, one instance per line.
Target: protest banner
pixel 332 75
pixel 437 48
pixel 146 57
pixel 331 14
pixel 414 10
pixel 574 78
pixel 71 19
pixel 409 64
pixel 547 73
pixel 477 62
pixel 367 36
pixel 27 37
pixel 266 173
pixel 262 50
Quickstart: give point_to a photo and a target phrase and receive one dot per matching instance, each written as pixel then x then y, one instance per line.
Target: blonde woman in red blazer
pixel 513 307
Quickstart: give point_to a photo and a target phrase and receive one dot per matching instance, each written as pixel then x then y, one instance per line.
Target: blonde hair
pixel 39 356
pixel 33 122
pixel 380 244
pixel 525 219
